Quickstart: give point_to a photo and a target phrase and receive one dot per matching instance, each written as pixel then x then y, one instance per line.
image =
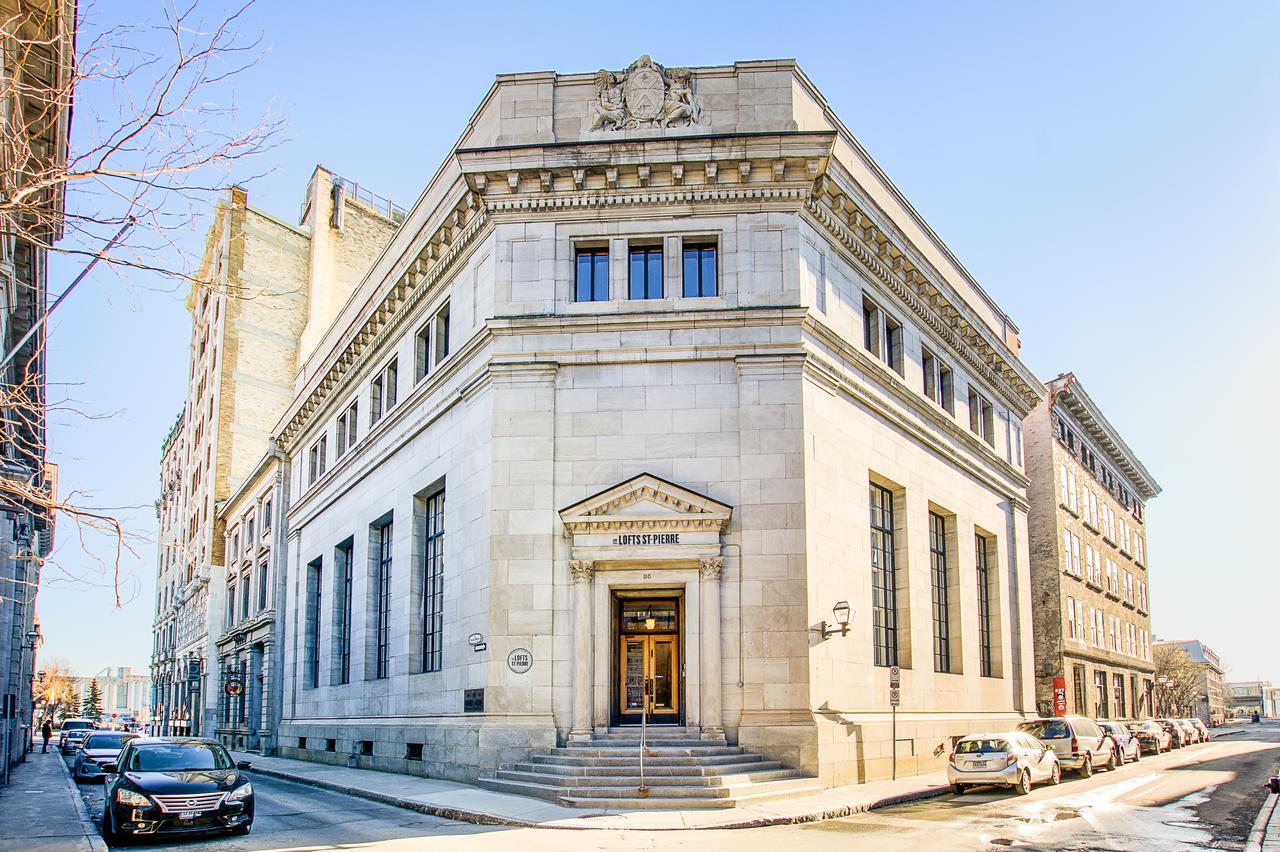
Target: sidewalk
pixel 41 809
pixel 485 807
pixel 1265 836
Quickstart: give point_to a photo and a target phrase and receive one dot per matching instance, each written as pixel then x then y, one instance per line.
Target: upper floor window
pixel 382 392
pixel 266 515
pixel 431 343
pixel 700 272
pixel 937 382
pixel 882 335
pixel 982 417
pixel 347 427
pixel 317 459
pixel 591 277
pixel 645 272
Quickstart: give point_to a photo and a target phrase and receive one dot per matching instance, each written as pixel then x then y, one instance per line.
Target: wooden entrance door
pixel 648 662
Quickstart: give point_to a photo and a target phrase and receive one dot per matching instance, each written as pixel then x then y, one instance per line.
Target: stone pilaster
pixel 582 580
pixel 709 569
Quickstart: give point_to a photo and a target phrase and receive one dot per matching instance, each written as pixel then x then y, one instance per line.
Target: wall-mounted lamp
pixel 843 613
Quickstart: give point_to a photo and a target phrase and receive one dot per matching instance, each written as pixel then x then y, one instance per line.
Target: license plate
pixel 188 815
pixel 979 764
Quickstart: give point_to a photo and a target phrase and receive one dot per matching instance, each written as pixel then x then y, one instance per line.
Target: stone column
pixel 710 647
pixel 582 576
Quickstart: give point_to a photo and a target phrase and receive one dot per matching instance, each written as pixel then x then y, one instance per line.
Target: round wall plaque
pixel 520 660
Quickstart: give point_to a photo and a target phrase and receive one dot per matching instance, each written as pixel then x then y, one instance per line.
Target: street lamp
pixel 842 613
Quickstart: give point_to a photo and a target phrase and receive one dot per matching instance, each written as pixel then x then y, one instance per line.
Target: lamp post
pixel 842 612
pixel 1163 681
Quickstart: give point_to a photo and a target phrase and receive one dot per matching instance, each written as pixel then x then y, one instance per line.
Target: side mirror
pixel 243 764
pixel 110 768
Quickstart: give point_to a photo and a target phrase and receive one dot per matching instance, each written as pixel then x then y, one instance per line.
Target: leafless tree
pixel 1178 694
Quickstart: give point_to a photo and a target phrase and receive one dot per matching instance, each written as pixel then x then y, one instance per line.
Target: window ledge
pixel 1112 596
pixel 1109 541
pixel 1091 527
pixel 1126 554
pixel 1093 585
pixel 1142 611
pixel 1072 512
pixel 1128 605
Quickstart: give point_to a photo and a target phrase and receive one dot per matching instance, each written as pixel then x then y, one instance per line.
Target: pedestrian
pixel 46 731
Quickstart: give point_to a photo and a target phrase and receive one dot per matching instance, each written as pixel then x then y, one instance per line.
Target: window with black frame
pixel 382 536
pixel 981 547
pixel 938 575
pixel 591 275
pixel 342 570
pixel 433 583
pixel 884 613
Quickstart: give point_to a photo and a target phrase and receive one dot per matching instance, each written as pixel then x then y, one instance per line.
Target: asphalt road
pixel 1201 797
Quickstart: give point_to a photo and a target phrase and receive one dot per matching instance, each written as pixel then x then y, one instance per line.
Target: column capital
pixel 710 568
pixel 581 570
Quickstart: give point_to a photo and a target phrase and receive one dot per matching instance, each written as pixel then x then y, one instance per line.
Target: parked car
pixel 1175 731
pixel 72 732
pixel 1202 728
pixel 175 785
pixel 99 747
pixel 1012 759
pixel 1126 745
pixel 1078 742
pixel 1193 735
pixel 1151 736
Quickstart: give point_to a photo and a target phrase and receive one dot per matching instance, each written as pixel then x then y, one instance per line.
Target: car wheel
pixel 1137 754
pixel 1055 774
pixel 1086 768
pixel 959 789
pixel 1023 787
pixel 109 833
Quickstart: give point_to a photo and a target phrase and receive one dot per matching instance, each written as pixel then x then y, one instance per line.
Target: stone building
pixel 698 384
pixel 1211 701
pixel 122 692
pixel 1246 697
pixel 37 47
pixel 1088 560
pixel 169 676
pixel 262 284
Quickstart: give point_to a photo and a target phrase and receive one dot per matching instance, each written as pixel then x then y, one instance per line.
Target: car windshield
pixel 177 757
pixel 106 741
pixel 981 747
pixel 1046 729
pixel 76 726
pixel 1140 726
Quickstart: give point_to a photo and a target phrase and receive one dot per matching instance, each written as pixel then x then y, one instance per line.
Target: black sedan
pixel 98 748
pixel 175 785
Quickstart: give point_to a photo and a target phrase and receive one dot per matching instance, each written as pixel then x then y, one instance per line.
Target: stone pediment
pixel 646 519
pixel 646 502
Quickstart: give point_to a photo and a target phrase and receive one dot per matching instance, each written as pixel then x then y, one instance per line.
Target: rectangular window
pixel 1100 696
pixel 645 272
pixel 231 604
pixel 441 326
pixel 346 434
pixel 422 352
pixel 882 335
pixel 1071 618
pixel 591 278
pixel 433 583
pixel 317 459
pixel 938 574
pixel 312 627
pixel 382 392
pixel 263 572
pixel 981 549
pixel 245 594
pixel 1117 684
pixel 1078 689
pixel 982 421
pixel 700 274
pixel 937 382
pixel 883 589
pixel 342 571
pixel 382 604
pixel 267 520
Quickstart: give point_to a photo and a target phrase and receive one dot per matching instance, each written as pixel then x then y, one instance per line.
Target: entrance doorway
pixel 648 662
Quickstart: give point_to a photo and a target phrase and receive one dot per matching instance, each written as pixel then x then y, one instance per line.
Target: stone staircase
pixel 681 770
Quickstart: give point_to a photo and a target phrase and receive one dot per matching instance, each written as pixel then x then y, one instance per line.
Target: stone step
pixel 633 781
pixel 625 741
pixel 684 770
pixel 654 730
pixel 645 803
pixel 611 750
pixel 650 760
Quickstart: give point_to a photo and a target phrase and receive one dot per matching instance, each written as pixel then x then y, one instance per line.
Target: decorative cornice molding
pixel 938 314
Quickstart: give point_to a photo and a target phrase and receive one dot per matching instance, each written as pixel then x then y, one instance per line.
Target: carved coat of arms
pixel 644 95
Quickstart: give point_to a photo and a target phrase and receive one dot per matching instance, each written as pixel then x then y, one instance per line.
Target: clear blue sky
pixel 1107 171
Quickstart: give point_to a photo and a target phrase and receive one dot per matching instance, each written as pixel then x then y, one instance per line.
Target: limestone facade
pixel 1211 702
pixel 1089 560
pixel 591 434
pixel 169 682
pixel 262 282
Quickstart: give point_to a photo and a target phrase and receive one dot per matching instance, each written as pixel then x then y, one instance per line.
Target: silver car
pixel 1011 759
pixel 1079 743
pixel 98 748
pixel 72 732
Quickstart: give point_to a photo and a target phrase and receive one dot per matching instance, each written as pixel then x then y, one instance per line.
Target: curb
pixel 1259 831
pixel 91 834
pixel 479 818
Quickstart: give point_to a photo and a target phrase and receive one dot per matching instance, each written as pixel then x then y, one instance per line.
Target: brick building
pixel 1090 591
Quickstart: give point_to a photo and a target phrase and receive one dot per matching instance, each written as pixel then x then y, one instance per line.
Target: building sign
pixel 1059 696
pixel 520 660
pixel 473 701
pixel 234 686
pixel 633 540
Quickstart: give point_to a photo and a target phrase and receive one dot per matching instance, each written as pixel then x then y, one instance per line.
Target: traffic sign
pixel 895 677
pixel 895 697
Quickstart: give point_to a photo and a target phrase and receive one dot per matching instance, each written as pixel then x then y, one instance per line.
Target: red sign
pixel 1059 696
pixel 115 715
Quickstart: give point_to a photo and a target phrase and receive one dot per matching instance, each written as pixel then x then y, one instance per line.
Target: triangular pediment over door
pixel 646 519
